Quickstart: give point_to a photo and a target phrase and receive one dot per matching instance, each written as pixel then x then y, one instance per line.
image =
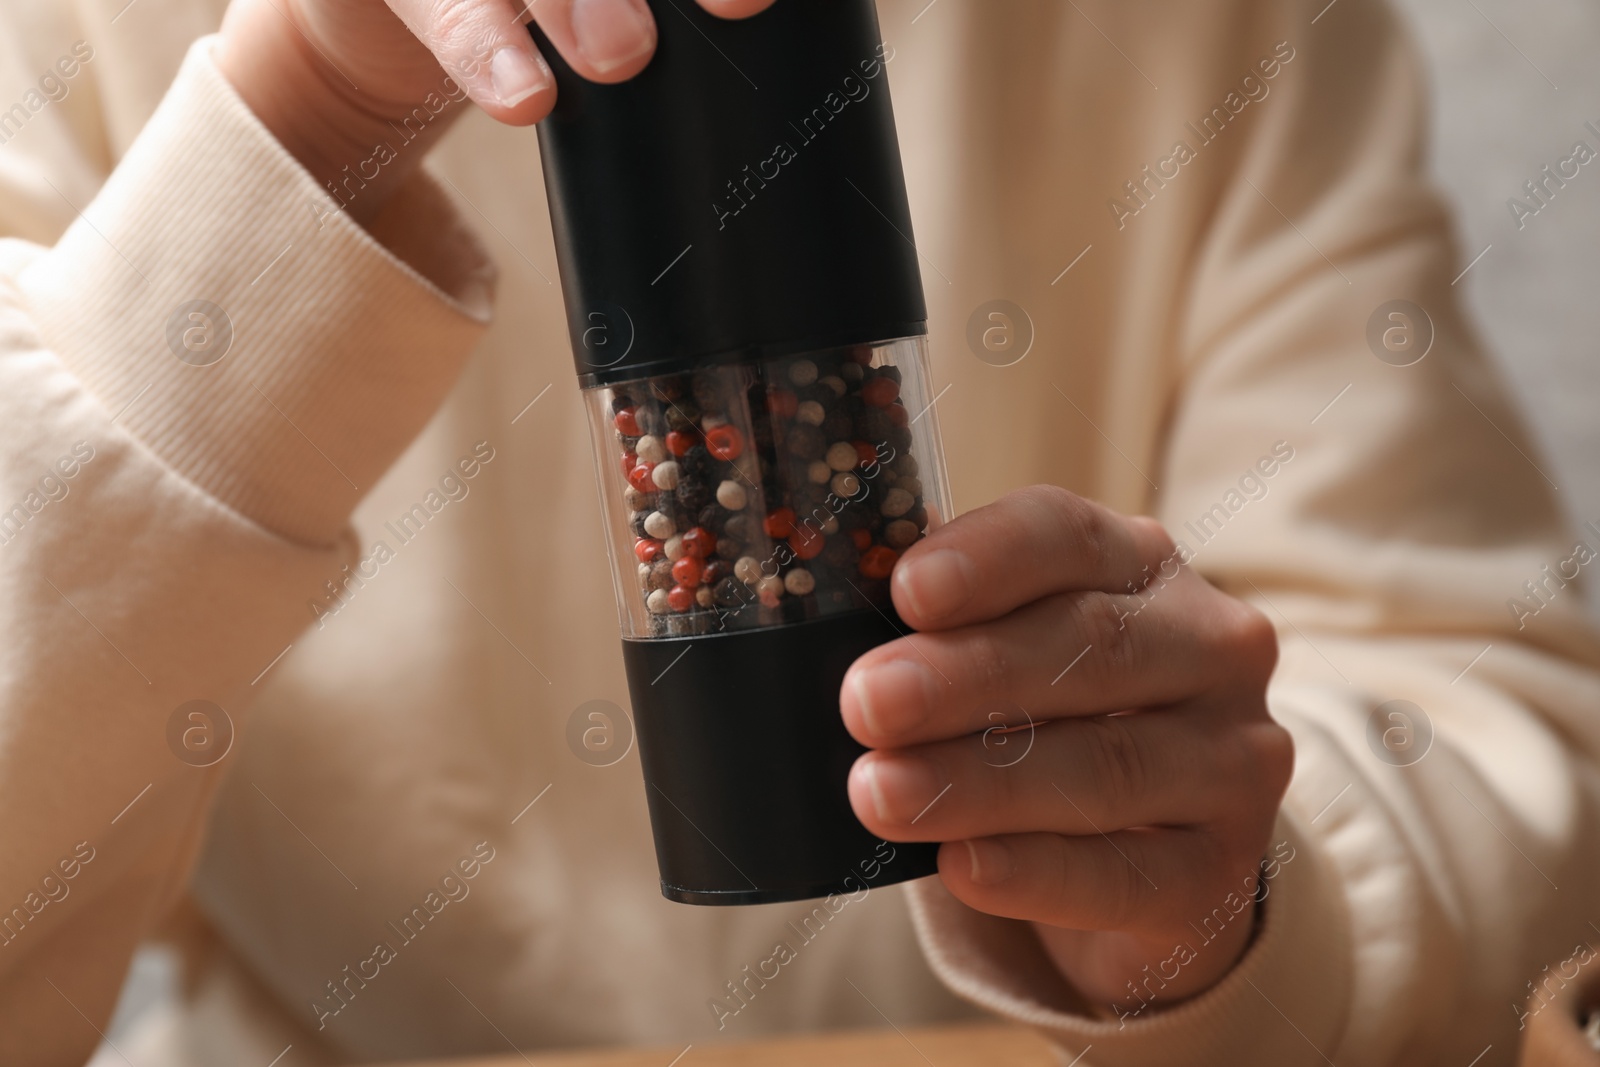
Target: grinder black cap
pixel 741 197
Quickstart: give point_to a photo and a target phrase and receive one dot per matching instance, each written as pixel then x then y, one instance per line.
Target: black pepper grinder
pixel 749 330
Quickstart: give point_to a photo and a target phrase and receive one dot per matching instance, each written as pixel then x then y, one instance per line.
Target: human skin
pixel 327 77
pixel 1156 771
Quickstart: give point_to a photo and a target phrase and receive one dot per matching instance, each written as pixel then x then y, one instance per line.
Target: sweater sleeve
pixel 198 381
pixel 1382 503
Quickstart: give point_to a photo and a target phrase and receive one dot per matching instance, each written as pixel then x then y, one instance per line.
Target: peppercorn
pixel 802 372
pixel 725 442
pixel 666 475
pixel 770 591
pixel 739 527
pixel 799 581
pixel 878 561
pixel 896 502
pixel 841 456
pixel 667 387
pixel 698 543
pixel 687 571
pixel 805 440
pixel 901 534
pixel 692 495
pixel 779 522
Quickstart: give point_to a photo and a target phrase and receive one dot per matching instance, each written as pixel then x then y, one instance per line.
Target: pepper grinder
pixel 748 326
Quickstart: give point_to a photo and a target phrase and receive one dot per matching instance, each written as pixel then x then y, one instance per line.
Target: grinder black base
pixel 745 762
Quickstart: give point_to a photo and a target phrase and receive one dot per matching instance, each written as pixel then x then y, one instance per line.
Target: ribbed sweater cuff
pixel 1285 1001
pixel 341 348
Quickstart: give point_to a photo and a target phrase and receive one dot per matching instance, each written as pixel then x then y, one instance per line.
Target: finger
pixel 735 9
pixel 1181 767
pixel 484 46
pixel 1130 880
pixel 603 40
pixel 1028 543
pixel 1071 654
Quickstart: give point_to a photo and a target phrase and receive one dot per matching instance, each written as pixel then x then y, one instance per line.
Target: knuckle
pixel 1122 897
pixel 1163 541
pixel 454 21
pixel 1054 872
pixel 1118 761
pixel 1070 519
pixel 1274 757
pixel 1103 622
pixel 1091 536
pixel 1248 639
pixel 987 664
pixel 1257 633
pixel 1260 763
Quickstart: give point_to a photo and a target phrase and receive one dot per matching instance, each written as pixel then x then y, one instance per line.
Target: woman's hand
pixel 333 78
pixel 1148 794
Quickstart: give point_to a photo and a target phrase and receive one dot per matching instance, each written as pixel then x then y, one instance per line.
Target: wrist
pixel 1126 973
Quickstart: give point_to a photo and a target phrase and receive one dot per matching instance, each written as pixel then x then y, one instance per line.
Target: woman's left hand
pixel 1144 792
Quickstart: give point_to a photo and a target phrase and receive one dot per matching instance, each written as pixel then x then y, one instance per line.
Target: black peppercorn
pixel 738 527
pixel 729 592
pixel 692 495
pixel 807 442
pixel 667 388
pixel 696 463
pixel 682 415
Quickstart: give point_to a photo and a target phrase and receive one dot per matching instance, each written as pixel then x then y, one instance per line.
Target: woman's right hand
pixel 329 77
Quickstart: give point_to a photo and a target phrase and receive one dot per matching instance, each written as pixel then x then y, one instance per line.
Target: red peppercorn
pixel 724 442
pixel 648 549
pixel 878 561
pixel 862 539
pixel 807 544
pixel 680 599
pixel 861 354
pixel 865 453
pixel 699 543
pixel 898 415
pixel 780 523
pixel 679 443
pixel 686 572
pixel 782 403
pixel 880 392
pixel 629 461
pixel 640 478
pixel 627 423
pixel 715 571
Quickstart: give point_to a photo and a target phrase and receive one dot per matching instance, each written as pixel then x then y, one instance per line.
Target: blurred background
pixel 1514 82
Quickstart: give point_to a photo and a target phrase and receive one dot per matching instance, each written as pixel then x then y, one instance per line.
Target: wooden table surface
pixel 971 1045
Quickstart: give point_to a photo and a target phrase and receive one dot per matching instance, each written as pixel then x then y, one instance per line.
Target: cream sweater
pixel 168 530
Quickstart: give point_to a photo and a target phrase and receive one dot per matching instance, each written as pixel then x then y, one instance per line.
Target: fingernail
pixel 894 697
pixel 939 583
pixel 991 861
pixel 517 75
pixel 611 33
pixel 903 788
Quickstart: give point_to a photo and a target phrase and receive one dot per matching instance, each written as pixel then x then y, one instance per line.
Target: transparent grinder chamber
pixel 757 494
